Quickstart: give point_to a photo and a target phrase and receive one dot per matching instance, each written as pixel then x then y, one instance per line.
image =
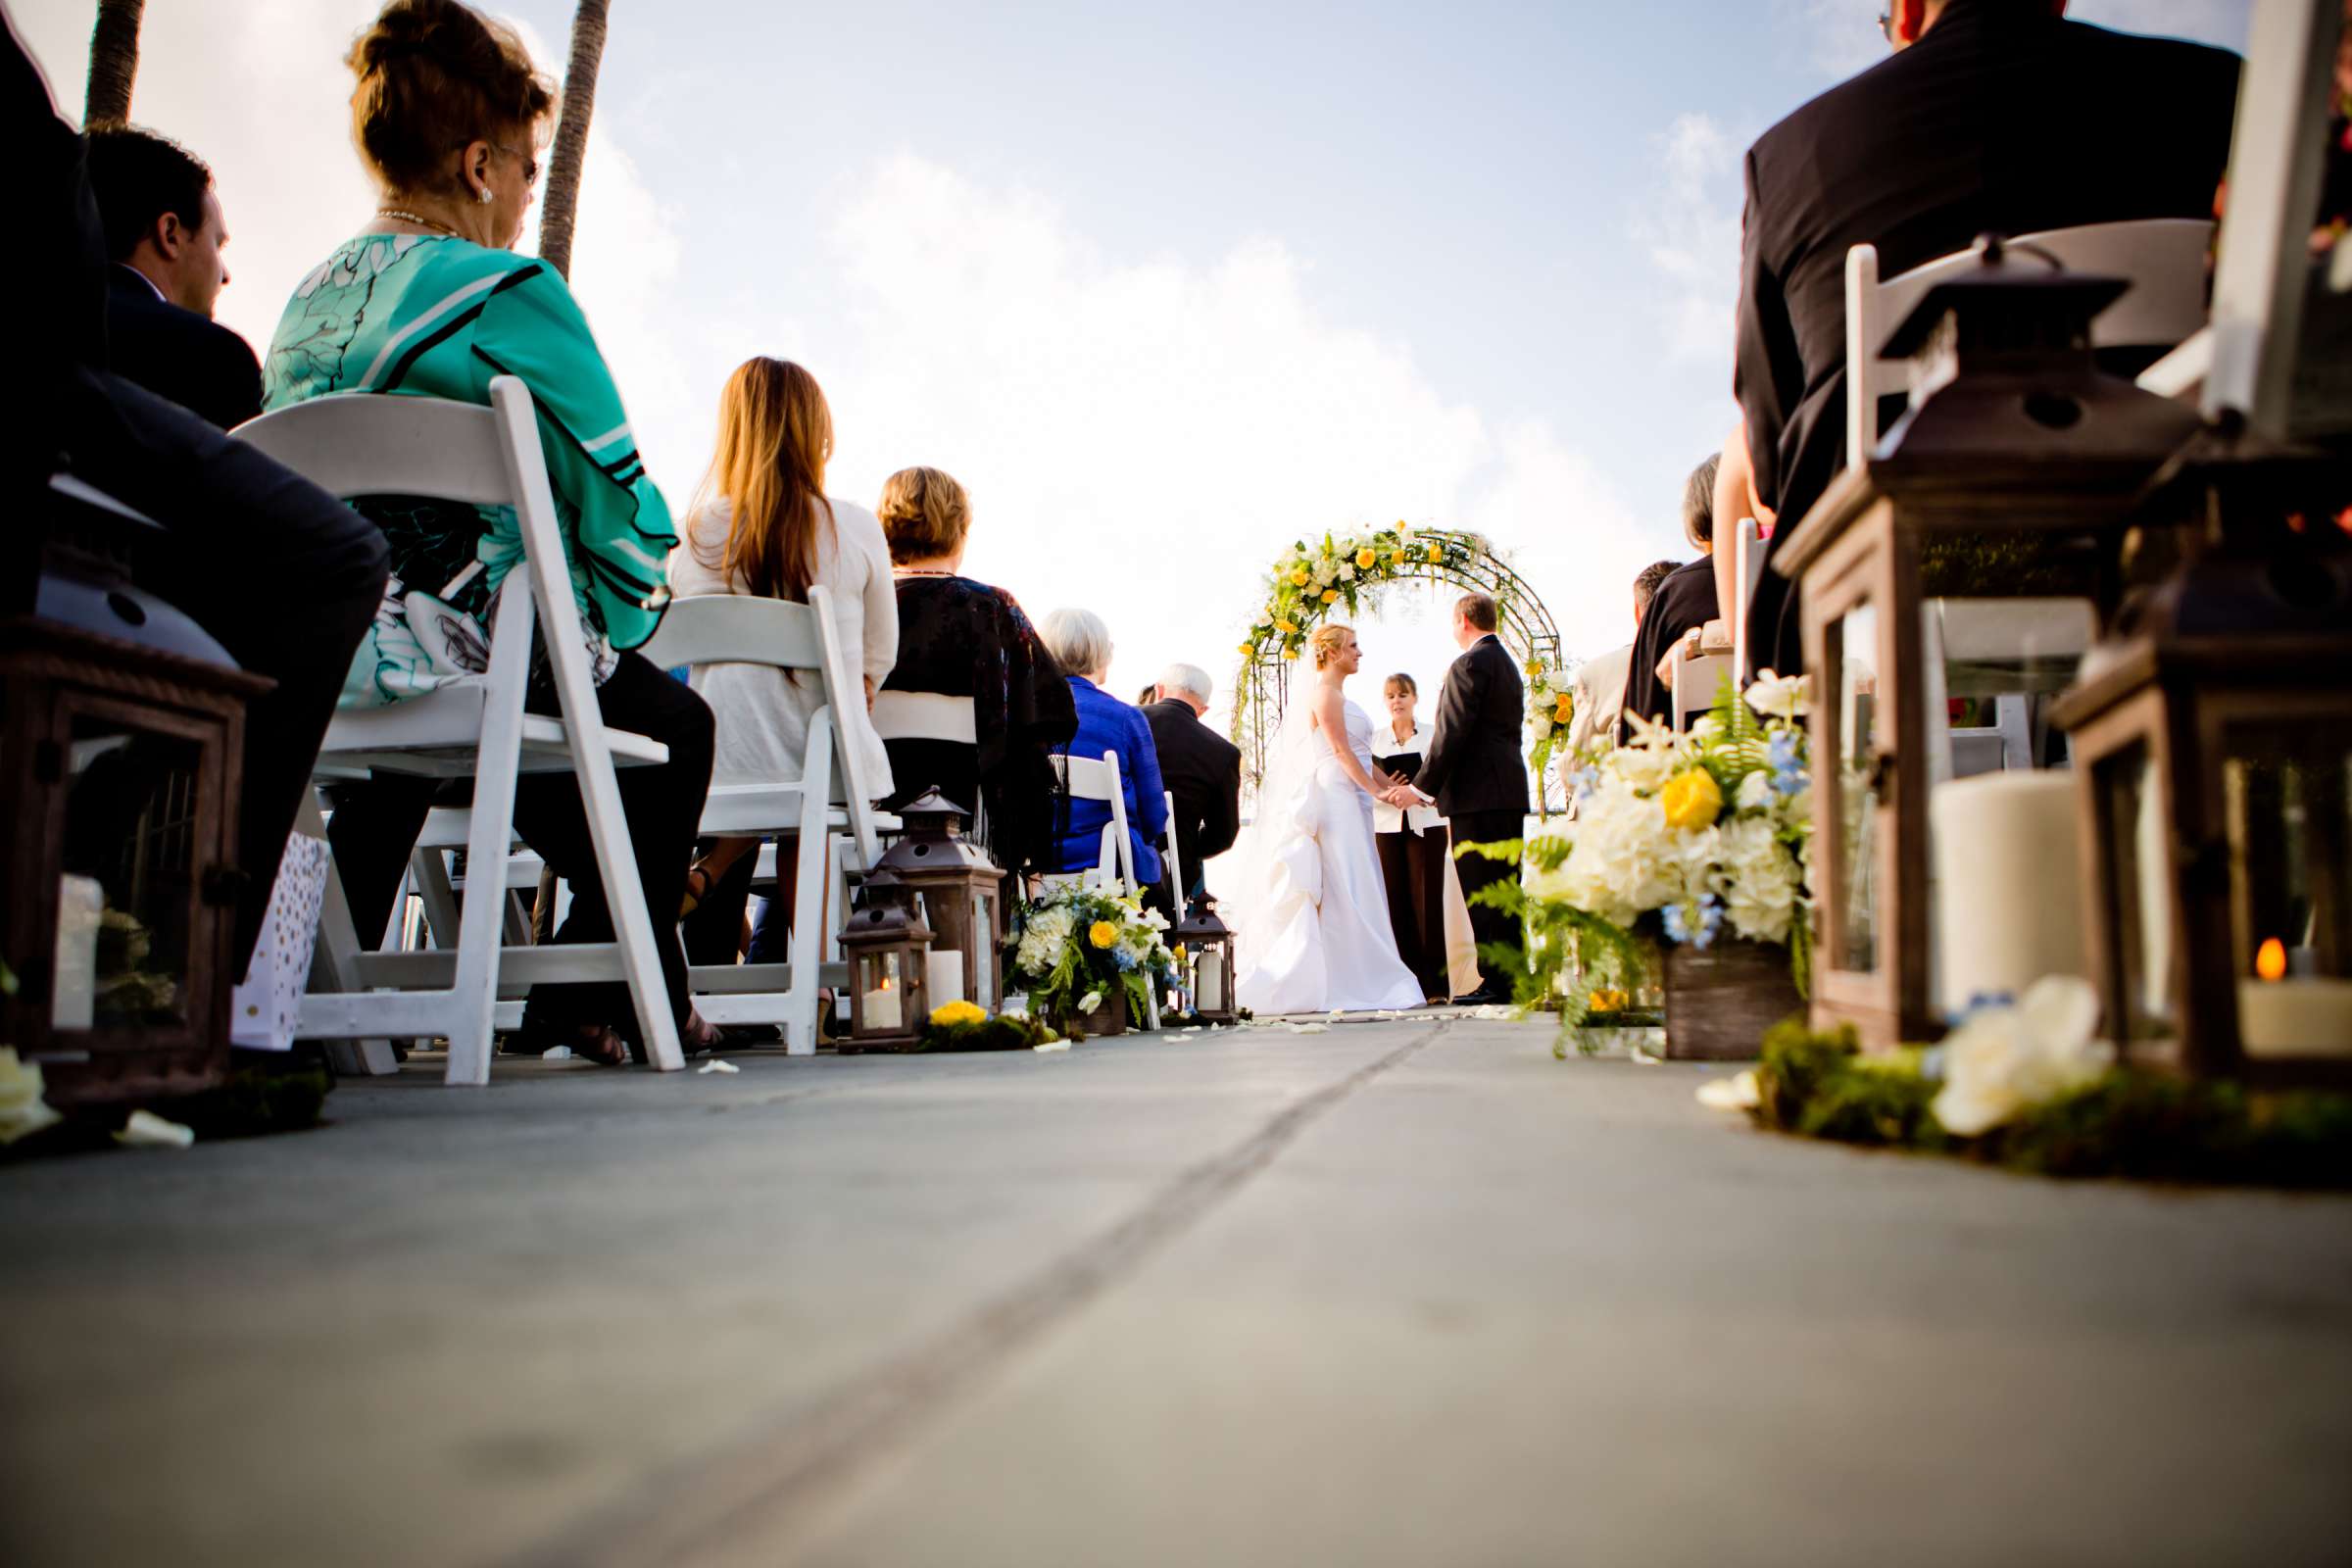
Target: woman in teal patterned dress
pixel 429 300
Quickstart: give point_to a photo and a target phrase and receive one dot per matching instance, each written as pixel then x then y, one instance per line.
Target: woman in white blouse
pixel 762 525
pixel 1412 846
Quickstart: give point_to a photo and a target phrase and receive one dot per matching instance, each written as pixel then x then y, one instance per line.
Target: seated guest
pixel 164 233
pixel 242 532
pixel 1684 603
pixel 1599 684
pixel 962 638
pixel 1106 727
pixel 1412 841
pixel 1202 769
pixel 429 298
pixel 1912 156
pixel 764 525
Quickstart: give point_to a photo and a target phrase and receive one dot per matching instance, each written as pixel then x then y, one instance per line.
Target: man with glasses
pixel 1992 114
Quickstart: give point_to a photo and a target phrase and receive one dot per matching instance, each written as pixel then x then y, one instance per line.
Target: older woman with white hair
pixel 1106 727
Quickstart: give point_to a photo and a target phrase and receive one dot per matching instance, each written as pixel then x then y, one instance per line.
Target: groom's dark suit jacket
pixel 1473 763
pixel 2002 117
pixel 1202 769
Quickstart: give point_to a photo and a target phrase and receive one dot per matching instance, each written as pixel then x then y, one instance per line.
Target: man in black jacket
pixel 1202 769
pixel 1475 770
pixel 1992 114
pixel 286 576
pixel 164 233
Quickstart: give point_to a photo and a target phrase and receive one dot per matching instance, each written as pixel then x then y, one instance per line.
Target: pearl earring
pixel 483 195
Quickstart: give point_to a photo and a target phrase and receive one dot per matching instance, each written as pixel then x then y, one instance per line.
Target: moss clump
pixel 1005 1033
pixel 253 1101
pixel 2136 1124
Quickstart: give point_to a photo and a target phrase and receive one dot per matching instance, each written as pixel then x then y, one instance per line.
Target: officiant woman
pixel 1412 846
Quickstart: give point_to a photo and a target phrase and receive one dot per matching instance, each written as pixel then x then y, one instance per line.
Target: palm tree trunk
pixel 572 135
pixel 114 62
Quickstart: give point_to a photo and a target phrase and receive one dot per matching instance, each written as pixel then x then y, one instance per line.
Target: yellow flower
pixel 1607 1001
pixel 1331 596
pixel 1535 670
pixel 1691 800
pixel 1298 578
pixel 953 1012
pixel 1289 653
pixel 1436 552
pixel 1249 648
pixel 1367 557
pixel 1178 953
pixel 1102 934
pixel 1397 558
pixel 1563 711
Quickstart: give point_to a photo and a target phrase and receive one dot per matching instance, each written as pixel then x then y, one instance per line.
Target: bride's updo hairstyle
pixel 434 76
pixel 925 515
pixel 1327 640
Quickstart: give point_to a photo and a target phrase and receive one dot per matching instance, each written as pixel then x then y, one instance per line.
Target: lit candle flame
pixel 2270 962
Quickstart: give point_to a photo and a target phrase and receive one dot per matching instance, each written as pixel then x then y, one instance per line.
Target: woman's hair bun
pixel 432 76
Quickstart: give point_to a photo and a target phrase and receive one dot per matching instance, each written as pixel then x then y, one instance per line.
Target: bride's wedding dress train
pixel 1315 933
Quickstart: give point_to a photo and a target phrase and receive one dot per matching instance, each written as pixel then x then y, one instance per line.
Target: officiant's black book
pixel 1403 765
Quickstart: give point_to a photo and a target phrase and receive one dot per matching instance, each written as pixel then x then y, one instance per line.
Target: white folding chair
pixel 2163 257
pixel 359 444
pixel 1175 858
pixel 1086 778
pixel 1747 570
pixel 831 797
pixel 1696 682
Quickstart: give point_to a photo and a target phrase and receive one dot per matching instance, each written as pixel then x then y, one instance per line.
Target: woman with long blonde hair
pixel 762 525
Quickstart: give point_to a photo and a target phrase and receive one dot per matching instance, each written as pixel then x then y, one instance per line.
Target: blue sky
pixel 1166 287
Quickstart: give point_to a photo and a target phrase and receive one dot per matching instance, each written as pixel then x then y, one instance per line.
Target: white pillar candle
pixel 2301 1015
pixel 879 1008
pixel 73 975
pixel 943 972
pixel 2008 906
pixel 1213 981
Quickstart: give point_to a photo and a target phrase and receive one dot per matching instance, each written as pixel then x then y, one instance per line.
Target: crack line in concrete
pixel 762 1480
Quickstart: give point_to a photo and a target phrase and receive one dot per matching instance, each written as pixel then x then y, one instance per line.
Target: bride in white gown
pixel 1314 928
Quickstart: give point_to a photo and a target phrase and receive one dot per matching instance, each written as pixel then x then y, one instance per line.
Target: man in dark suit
pixel 164 233
pixel 286 576
pixel 1475 770
pixel 1202 769
pixel 1992 114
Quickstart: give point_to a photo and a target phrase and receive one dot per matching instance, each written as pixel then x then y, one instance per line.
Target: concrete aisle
pixel 1395 1293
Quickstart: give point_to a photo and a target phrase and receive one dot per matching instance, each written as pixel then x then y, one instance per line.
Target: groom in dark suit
pixel 1475 770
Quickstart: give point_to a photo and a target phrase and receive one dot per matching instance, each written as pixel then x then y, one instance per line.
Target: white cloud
pixel 1692 234
pixel 1140 435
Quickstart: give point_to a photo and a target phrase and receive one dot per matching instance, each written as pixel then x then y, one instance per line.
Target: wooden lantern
pixel 2213 742
pixel 120 805
pixel 954 889
pixel 1965 562
pixel 889 950
pixel 1207 966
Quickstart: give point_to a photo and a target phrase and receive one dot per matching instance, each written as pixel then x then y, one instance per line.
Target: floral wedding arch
pixel 1344 572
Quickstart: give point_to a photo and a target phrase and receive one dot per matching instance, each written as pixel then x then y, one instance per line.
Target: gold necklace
pixel 421 222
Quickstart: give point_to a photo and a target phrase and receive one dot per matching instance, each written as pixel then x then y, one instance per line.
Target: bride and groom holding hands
pixel 1317 932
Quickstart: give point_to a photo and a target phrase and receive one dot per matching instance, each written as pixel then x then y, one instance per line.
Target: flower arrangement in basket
pixel 1076 947
pixel 1688 838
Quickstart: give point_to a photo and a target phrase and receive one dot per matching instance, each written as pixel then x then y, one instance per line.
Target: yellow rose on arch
pixel 1367 557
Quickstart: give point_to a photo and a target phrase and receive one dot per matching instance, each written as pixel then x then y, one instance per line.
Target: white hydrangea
pixel 1041 945
pixel 1347 571
pixel 1759 882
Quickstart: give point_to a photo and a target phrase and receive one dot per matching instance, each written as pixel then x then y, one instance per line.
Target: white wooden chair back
pixel 1174 856
pixel 2163 257
pixel 1086 778
pixel 925 717
pixel 1747 570
pixel 358 444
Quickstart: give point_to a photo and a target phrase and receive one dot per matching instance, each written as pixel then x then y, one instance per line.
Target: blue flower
pixel 1694 924
pixel 1123 959
pixel 1789 775
pixel 1588 780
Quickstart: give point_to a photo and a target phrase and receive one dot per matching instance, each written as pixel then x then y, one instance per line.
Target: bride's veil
pixel 1269 884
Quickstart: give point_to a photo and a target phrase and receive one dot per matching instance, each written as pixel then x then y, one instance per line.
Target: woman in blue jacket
pixel 1081 644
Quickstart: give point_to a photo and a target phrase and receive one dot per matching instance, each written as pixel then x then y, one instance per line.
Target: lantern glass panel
pixel 2285 785
pixel 2139 883
pixel 1987 657
pixel 983 948
pixel 881 992
pixel 1853 647
pixel 127 895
